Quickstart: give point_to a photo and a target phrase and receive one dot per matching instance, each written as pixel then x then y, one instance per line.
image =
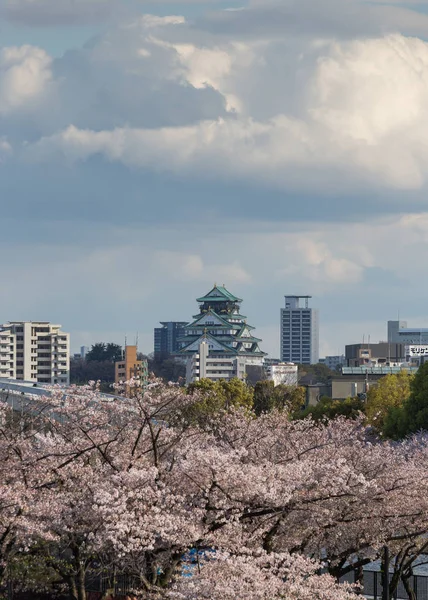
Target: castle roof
pixel 219 294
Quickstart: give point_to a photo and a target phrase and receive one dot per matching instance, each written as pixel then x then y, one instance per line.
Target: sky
pixel 151 149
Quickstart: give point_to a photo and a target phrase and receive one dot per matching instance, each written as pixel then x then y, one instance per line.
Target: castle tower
pixel 226 336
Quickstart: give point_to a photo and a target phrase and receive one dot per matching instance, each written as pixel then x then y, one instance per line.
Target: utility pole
pixel 385 574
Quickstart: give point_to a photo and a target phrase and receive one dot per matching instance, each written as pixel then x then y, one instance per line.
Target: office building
pixel 130 367
pixel 220 338
pixel 166 338
pixel 299 341
pixel 399 333
pixel 34 351
pixel 83 351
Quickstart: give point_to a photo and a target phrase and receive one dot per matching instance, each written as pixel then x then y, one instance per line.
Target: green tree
pixel 82 371
pixel 218 396
pixel 97 352
pixel 236 393
pixel 113 352
pixel 391 391
pixel 168 369
pixel 327 409
pixel 412 416
pixel 267 397
pixel 102 351
pixel 320 372
pixel 264 397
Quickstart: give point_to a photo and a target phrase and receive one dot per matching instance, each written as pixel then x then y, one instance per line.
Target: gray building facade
pixel 299 326
pixel 384 353
pixel 165 338
pixel 399 333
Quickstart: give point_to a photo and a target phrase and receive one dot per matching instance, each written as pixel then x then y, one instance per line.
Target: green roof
pixel 219 294
pixel 224 316
pixel 226 323
pixel 208 336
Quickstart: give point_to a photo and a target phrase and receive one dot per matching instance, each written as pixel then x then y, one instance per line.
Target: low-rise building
pixel 130 367
pixel 283 373
pixel 353 382
pixel 381 354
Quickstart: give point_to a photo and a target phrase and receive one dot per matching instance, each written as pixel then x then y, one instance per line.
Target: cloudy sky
pixel 150 149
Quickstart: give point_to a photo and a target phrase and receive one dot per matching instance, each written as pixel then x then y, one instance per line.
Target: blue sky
pixel 148 150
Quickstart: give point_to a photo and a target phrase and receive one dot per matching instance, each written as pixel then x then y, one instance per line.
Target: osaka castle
pixel 219 344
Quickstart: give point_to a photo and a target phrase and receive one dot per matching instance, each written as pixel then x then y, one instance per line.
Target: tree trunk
pixel 72 588
pixel 81 591
pixel 395 580
pixel 409 590
pixel 359 579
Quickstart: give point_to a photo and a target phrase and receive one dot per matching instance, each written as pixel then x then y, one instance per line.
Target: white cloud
pixel 322 265
pixel 363 111
pixel 191 267
pixel 320 102
pixel 25 73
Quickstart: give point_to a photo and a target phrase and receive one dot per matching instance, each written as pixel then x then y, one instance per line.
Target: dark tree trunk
pixel 409 590
pixel 359 579
pixel 81 591
pixel 72 588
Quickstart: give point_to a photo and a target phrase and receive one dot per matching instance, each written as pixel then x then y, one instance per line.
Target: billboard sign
pixel 416 351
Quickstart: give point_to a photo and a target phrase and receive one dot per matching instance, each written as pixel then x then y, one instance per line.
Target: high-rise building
pixel 130 367
pixel 219 343
pixel 299 332
pixel 34 351
pixel 166 337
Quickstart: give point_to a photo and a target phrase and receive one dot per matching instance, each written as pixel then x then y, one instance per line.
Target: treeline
pixel 397 406
pixel 98 365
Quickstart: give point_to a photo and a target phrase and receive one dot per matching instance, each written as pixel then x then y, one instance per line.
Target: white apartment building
pixel 201 365
pixel 299 326
pixel 34 351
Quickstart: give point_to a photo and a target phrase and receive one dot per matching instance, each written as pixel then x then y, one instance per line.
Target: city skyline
pixel 271 345
pixel 150 149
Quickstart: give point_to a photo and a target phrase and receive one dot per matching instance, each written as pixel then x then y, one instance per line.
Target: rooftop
pixel 219 294
pixel 376 370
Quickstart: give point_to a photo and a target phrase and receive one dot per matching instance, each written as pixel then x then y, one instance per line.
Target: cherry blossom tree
pixel 259 577
pixel 258 508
